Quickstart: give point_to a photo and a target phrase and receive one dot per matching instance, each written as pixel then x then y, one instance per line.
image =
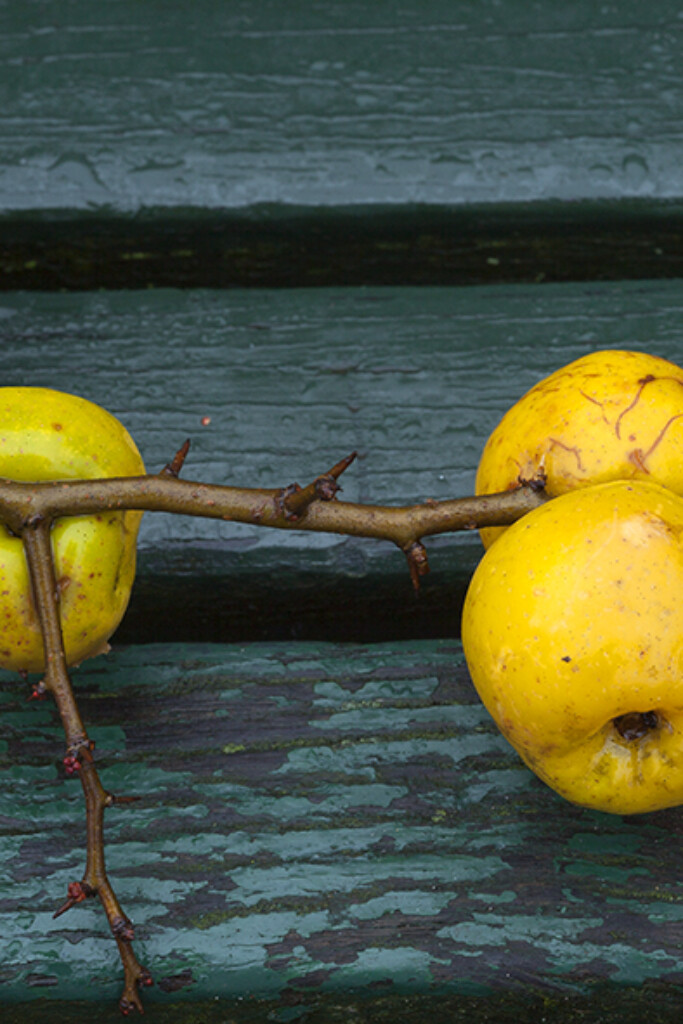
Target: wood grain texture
pixel 261 144
pixel 414 379
pixel 319 823
pixel 125 105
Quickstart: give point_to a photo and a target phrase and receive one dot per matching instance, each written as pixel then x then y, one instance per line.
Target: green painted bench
pixel 323 825
pixel 340 142
pixel 223 213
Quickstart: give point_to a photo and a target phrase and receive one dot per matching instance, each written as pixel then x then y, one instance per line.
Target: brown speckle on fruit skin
pixel 63 583
pixel 57 426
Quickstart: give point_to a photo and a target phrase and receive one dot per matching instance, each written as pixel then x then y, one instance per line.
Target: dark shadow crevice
pixel 286 247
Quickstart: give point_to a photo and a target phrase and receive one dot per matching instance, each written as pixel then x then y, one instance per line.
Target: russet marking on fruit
pixel 600 405
pixel 608 415
pixel 572 449
pixel 639 457
pixel 648 379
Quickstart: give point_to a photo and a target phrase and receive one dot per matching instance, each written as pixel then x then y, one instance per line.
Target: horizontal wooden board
pixel 321 824
pixel 125 105
pixel 266 144
pixel 414 379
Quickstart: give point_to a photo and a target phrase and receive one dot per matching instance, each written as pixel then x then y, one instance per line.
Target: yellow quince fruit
pixel 611 415
pixel 49 435
pixel 573 633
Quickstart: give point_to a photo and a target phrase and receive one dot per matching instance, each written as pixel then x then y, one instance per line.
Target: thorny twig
pixel 29 510
pixel 275 508
pixel 79 759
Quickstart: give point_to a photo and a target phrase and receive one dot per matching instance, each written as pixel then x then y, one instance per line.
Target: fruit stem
pixel 38 548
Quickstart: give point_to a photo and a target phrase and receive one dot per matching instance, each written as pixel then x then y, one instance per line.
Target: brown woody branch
pixel 79 759
pixel 164 492
pixel 29 509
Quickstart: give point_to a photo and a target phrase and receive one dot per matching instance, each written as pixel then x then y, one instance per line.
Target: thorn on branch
pixel 76 893
pixel 336 472
pixel 294 500
pixel 418 563
pixel 174 467
pixel 113 799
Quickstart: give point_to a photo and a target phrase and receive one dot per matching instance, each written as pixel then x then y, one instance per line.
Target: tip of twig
pixel 342 465
pixel 112 798
pixel 128 1006
pixel 174 467
pixel 130 1000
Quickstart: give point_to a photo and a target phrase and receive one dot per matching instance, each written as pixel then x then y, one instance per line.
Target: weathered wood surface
pixel 327 833
pixel 129 105
pixel 320 824
pixel 414 379
pixel 339 142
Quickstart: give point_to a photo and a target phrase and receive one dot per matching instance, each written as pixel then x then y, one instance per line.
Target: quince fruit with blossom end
pixel 610 415
pixel 49 435
pixel 573 634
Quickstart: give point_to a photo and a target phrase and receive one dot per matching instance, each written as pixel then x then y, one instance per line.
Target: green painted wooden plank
pixel 126 105
pixel 321 823
pixel 270 144
pixel 414 379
